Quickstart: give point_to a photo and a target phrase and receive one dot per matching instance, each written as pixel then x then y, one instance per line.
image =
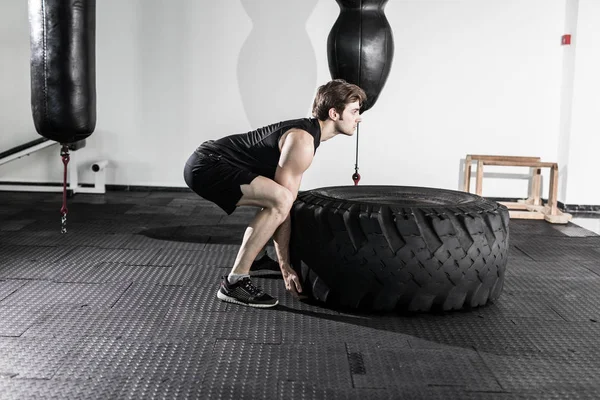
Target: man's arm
pixel 297 154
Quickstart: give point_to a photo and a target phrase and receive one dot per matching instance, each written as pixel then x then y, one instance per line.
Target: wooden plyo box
pixel 532 207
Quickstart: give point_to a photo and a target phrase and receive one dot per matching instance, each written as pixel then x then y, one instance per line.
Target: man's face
pixel 349 119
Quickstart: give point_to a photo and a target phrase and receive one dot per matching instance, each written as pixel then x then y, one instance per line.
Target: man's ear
pixel 333 114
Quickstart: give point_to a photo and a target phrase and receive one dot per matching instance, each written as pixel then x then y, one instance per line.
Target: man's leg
pixel 275 202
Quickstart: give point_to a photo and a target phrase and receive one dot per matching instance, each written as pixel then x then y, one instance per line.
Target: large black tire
pixel 407 248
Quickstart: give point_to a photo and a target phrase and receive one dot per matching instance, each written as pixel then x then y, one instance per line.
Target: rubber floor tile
pixel 207 276
pixel 142 295
pixel 585 392
pixel 72 271
pixel 22 198
pixel 141 241
pixel 116 323
pixel 169 195
pixel 89 198
pixel 38 293
pixel 183 323
pixel 95 211
pixel 312 328
pixel 85 227
pixel 40 270
pixel 111 357
pixel 309 391
pixel 8 287
pixel 186 201
pixel 34 358
pixel 498 336
pixel 525 228
pixel 556 337
pixel 140 387
pixel 139 198
pixel 226 248
pixel 236 360
pixel 34 253
pixel 111 272
pixel 577 307
pixel 219 234
pixel 146 295
pixel 66 389
pixel 15 225
pixel 134 257
pixel 174 230
pixel 55 238
pixel 545 319
pixel 23 269
pixel 301 390
pixel 158 209
pixel 8 210
pixel 518 228
pixel 515 255
pixel 568 268
pixel 521 305
pixel 593 266
pixel 205 216
pixel 543 285
pixel 44 213
pixel 234 390
pixel 580 241
pixel 562 249
pixel 429 367
pixel 168 257
pixel 573 230
pixel 542 371
pixel 17 319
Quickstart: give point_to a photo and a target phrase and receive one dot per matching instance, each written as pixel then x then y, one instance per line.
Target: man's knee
pixel 284 199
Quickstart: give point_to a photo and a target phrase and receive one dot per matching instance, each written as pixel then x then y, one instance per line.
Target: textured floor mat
pixel 17 319
pixel 99 357
pixel 34 358
pixel 60 321
pixel 124 306
pixel 142 295
pixel 38 293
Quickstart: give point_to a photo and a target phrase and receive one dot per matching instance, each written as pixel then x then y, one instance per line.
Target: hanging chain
pixel 64 152
pixel 356 175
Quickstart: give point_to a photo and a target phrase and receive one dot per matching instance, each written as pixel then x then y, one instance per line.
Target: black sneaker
pixel 265 266
pixel 245 293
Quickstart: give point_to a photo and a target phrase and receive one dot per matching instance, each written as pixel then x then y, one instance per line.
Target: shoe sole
pixel 228 299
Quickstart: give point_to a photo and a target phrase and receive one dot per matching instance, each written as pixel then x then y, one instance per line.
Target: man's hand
pixel 292 282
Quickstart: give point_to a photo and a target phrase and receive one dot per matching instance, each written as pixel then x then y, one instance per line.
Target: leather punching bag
pixel 360 46
pixel 63 82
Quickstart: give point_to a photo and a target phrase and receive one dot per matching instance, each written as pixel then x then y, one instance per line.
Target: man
pixel 264 168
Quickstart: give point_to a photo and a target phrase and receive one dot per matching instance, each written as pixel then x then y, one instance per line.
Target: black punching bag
pixel 63 82
pixel 360 46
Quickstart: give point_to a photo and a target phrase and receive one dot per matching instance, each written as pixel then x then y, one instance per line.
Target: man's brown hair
pixel 336 94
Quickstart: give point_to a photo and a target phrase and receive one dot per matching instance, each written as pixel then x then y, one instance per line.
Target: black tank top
pixel 258 151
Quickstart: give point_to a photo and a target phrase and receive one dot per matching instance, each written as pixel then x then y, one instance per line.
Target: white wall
pixel 469 76
pixel 16 124
pixel 480 77
pixel 583 168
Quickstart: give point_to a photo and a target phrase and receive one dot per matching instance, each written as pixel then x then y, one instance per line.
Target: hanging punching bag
pixel 360 46
pixel 63 82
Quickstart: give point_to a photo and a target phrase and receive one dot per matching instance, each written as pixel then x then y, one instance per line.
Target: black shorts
pixel 215 179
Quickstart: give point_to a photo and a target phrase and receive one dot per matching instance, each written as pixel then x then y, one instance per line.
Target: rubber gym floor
pixel 123 306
